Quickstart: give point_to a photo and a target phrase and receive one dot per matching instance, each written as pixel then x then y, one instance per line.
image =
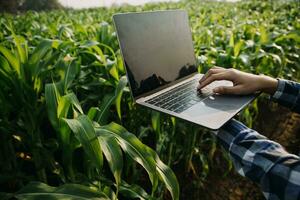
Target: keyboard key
pixel 179 98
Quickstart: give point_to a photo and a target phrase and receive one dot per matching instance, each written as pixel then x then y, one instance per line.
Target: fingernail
pixel 216 90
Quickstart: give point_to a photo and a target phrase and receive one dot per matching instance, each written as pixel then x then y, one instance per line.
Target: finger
pixel 212 78
pixel 228 90
pixel 217 67
pixel 209 73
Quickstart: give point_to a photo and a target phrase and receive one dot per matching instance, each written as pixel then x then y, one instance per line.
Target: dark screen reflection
pixel 157 48
pixel 155 80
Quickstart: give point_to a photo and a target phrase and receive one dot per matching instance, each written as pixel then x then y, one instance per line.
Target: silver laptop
pixel 158 55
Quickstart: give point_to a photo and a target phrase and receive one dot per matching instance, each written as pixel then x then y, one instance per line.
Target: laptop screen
pixel 157 48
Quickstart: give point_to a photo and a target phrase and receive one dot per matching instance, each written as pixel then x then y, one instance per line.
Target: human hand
pixel 243 83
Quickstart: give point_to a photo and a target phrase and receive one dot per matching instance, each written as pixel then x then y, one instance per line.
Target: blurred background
pixel 22 5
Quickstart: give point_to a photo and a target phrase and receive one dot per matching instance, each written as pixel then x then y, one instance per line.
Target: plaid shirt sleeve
pixel 288 94
pixel 263 161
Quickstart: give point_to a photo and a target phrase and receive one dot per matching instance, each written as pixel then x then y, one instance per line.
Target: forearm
pixel 284 92
pixel 261 160
pixel 267 84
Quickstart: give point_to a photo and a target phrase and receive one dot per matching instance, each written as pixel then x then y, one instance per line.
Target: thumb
pixel 227 90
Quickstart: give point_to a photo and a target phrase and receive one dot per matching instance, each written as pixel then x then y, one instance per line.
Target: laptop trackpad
pixel 216 110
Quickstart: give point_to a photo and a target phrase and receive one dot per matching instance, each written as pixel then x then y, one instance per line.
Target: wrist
pixel 267 84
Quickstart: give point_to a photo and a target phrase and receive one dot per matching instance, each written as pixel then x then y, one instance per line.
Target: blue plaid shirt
pixel 264 161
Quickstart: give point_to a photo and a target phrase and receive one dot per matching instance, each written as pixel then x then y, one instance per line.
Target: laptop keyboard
pixel 179 98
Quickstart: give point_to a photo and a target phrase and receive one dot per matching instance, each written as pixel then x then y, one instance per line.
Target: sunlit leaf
pixel 14 62
pixel 144 156
pixel 112 152
pixel 135 148
pixel 84 132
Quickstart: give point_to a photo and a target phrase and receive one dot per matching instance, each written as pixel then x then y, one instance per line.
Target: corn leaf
pixel 293 36
pixel 237 47
pixel 52 97
pixel 38 190
pixel 119 92
pixel 113 154
pixel 70 74
pixel 92 113
pixel 85 133
pixel 109 99
pixel 21 45
pixel 14 62
pixel 167 175
pixel 144 156
pixel 134 148
pixel 106 102
pixel 134 192
pixel 38 54
pixel 4 67
pixel 155 119
pixel 64 104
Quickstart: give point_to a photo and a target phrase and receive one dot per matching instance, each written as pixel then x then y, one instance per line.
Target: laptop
pixel 160 63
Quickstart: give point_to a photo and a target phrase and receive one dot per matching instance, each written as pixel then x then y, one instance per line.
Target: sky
pixel 98 3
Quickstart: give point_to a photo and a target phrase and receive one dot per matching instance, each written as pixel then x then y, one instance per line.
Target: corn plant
pixel 109 139
pixel 67 113
pixel 73 128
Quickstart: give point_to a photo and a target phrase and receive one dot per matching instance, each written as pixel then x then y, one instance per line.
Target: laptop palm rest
pixel 217 109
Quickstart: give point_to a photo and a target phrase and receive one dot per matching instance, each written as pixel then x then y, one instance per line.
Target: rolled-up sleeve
pixel 263 161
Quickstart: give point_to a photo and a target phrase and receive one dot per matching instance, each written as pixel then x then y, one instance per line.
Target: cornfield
pixel 68 125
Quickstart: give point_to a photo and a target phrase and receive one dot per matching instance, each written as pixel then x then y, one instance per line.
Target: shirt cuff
pixel 277 95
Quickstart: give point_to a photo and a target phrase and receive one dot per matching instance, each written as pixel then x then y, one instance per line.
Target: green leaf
pixel 134 191
pixel 276 58
pixel 38 54
pixel 64 104
pixel 14 62
pixel 293 36
pixel 155 119
pixel 119 92
pixel 112 152
pixel 70 74
pixel 135 148
pixel 231 41
pixel 109 99
pixel 85 133
pixel 21 45
pixel 245 59
pixel 111 66
pixel 52 97
pixel 264 36
pixel 4 67
pixel 237 47
pixel 37 190
pixel 106 102
pixel 167 176
pixel 35 187
pixel 93 112
pixel 144 156
pixel 88 44
pixel 66 31
pixel 100 53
